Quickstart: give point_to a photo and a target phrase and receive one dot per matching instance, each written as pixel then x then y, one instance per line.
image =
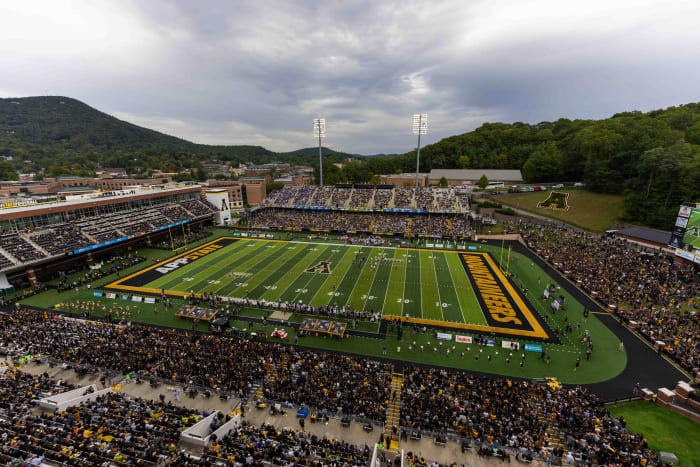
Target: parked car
pixel 558 185
pixel 578 184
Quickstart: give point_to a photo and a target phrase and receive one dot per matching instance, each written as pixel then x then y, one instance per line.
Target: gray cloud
pixel 226 72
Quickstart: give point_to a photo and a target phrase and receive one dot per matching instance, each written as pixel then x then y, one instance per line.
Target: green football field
pixel 421 284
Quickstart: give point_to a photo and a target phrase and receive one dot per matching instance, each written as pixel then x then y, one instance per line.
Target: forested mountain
pixel 653 158
pixel 60 131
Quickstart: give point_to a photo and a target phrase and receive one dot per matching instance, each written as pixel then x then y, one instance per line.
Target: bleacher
pixel 16 246
pixel 112 428
pixel 361 198
pixel 382 198
pixel 61 238
pixel 339 196
pixel 431 199
pixel 403 198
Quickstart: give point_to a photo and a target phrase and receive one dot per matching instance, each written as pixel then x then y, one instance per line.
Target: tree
pixel 201 174
pixel 443 182
pixel 463 162
pixel 8 172
pixel 483 182
pixel 543 164
pixel 273 186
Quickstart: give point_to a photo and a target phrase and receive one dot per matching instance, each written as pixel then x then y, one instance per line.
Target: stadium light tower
pixel 320 132
pixel 420 127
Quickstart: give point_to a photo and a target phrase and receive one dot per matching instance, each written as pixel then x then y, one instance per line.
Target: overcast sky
pixel 258 72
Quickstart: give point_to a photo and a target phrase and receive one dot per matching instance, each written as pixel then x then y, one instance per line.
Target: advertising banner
pixel 441 336
pixel 533 347
pixel 463 339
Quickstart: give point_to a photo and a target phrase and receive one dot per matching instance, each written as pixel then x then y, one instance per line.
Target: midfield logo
pixel 324 267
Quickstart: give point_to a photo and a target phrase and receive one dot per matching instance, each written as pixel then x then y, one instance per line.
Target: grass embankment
pixel 664 430
pixel 596 212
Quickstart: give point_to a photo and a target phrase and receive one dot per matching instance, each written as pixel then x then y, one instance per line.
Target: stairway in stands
pixel 393 413
pixel 259 389
pixel 552 434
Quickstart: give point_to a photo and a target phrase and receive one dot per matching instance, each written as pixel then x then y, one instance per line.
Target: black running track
pixel 644 365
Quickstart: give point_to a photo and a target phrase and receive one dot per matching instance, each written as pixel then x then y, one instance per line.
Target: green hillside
pixel 651 158
pixel 60 131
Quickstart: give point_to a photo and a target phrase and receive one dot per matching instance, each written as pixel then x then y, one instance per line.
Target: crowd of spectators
pixel 645 286
pixel 366 197
pixel 65 237
pixel 361 198
pixel 301 196
pixel 113 429
pixel 403 198
pixel 198 207
pixel 390 223
pixel 430 225
pixel 330 383
pixel 19 248
pixel 174 212
pixel 253 445
pixel 516 414
pixel 424 199
pixel 378 222
pixel 135 227
pixel 322 220
pixel 500 412
pixel 382 198
pixel 445 199
pixel 60 238
pixel 339 197
pixel 321 196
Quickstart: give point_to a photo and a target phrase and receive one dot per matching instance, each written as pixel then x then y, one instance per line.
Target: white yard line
pixel 376 270
pixel 244 268
pixel 386 295
pixel 366 262
pixel 456 292
pixel 270 270
pixel 437 286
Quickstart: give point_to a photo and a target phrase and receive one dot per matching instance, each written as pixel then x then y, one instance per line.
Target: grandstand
pixel 38 234
pixel 369 198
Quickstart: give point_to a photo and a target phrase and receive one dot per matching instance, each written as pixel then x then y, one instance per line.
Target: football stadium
pixel 349 234
pixel 368 321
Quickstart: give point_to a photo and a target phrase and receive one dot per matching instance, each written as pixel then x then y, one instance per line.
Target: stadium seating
pixel 437 402
pixel 19 248
pixel 650 285
pixel 279 447
pixel 113 429
pixel 60 238
pixel 55 239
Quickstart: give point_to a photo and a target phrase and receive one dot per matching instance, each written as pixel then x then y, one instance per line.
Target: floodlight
pixel 420 127
pixel 319 127
pixel 320 132
pixel 420 124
